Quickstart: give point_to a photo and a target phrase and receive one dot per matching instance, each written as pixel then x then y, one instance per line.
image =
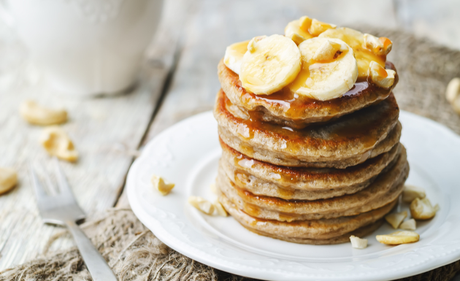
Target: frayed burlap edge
pixel 135 253
pixel 131 250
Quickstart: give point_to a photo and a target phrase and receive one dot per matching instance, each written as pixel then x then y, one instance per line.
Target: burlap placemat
pixel 135 253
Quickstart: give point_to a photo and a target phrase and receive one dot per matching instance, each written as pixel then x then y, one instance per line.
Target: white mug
pixel 86 47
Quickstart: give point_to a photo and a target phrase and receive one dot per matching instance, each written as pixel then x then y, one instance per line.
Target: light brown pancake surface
pixel 386 188
pixel 308 229
pixel 345 238
pixel 345 142
pixel 287 108
pixel 261 178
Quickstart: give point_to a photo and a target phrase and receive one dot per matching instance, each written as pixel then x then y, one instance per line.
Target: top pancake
pixel 287 108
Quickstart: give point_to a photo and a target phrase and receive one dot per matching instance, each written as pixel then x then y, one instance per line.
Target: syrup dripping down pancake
pixel 290 109
pixel 386 188
pixel 289 183
pixel 348 141
pixel 324 231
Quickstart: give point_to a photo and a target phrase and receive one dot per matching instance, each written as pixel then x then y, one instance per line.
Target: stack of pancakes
pixel 309 171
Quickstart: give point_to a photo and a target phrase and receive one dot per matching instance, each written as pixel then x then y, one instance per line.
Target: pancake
pixel 262 178
pixel 386 188
pixel 289 109
pixel 348 141
pixel 345 238
pixel 323 229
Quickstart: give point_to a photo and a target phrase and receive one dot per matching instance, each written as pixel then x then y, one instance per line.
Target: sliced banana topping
pixel 328 51
pixel 421 209
pixel 234 55
pixel 252 43
pixel 297 30
pixel 379 46
pixel 269 64
pixel 305 28
pixel 380 76
pixel 409 225
pixel 411 192
pixel 396 219
pixel 322 70
pixel 329 69
pixel 317 27
pixel 398 237
pixel 355 40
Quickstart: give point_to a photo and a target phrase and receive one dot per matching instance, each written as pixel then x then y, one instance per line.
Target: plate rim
pixel 155 226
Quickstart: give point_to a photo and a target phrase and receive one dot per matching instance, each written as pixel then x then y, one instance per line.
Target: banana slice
pixel 379 46
pixel 328 69
pixel 381 77
pixel 355 40
pixel 305 28
pixel 297 30
pixel 317 27
pixel 234 55
pixel 269 64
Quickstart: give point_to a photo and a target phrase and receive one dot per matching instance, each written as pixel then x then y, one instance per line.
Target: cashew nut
pixel 358 243
pixel 201 204
pixel 409 225
pixel 411 192
pixel 163 187
pixel 398 237
pixel 395 219
pixel 8 179
pixel 421 209
pixel 57 143
pixel 220 210
pixel 453 94
pixel 39 115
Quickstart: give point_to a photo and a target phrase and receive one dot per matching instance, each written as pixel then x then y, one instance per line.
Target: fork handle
pixel 97 266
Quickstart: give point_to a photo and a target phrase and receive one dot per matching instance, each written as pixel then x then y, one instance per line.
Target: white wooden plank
pixel 104 130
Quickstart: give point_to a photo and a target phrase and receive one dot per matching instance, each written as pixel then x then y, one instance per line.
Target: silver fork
pixel 63 209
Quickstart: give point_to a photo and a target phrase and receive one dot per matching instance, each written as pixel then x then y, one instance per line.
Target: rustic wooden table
pixel 179 80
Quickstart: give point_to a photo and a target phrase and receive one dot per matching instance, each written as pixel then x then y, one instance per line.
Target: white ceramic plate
pixel 187 154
